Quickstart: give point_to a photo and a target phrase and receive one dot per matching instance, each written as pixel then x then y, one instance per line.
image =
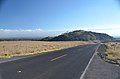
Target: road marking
pixel 89 63
pixel 58 57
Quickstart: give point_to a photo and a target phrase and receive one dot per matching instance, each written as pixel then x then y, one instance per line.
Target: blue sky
pixel 52 17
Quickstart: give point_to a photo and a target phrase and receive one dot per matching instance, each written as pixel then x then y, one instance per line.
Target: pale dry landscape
pixel 19 48
pixel 113 51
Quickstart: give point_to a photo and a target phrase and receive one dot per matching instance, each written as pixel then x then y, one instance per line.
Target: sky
pixel 40 18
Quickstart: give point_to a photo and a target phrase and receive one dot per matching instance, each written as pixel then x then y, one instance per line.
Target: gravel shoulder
pixel 99 69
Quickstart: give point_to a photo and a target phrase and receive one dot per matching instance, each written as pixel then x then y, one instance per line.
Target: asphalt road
pixel 63 64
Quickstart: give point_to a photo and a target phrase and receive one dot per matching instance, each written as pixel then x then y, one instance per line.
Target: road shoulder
pixel 99 69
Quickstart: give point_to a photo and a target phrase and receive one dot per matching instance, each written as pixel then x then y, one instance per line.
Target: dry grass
pixel 113 51
pixel 20 48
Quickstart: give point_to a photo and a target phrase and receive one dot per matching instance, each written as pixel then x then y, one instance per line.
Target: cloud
pixel 38 29
pixel 19 30
pixel 26 33
pixel 18 33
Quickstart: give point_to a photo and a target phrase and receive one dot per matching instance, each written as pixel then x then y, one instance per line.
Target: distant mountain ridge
pixel 80 35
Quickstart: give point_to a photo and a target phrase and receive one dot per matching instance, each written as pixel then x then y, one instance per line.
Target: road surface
pixel 63 64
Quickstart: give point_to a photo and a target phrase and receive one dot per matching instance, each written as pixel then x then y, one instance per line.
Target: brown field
pixel 113 51
pixel 20 48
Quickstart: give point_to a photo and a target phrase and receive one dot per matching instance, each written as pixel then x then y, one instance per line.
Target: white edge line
pixel 89 63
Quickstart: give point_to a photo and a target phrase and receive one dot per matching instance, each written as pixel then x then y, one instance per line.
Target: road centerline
pixel 56 58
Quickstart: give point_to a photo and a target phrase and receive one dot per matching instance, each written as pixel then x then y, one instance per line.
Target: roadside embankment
pixel 113 52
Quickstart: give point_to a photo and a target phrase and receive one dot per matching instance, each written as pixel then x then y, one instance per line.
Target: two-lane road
pixel 63 64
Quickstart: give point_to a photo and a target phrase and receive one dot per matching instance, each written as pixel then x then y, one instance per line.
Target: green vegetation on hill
pixel 80 35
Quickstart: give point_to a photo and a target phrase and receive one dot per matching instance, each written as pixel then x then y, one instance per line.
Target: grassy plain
pixel 113 51
pixel 20 48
